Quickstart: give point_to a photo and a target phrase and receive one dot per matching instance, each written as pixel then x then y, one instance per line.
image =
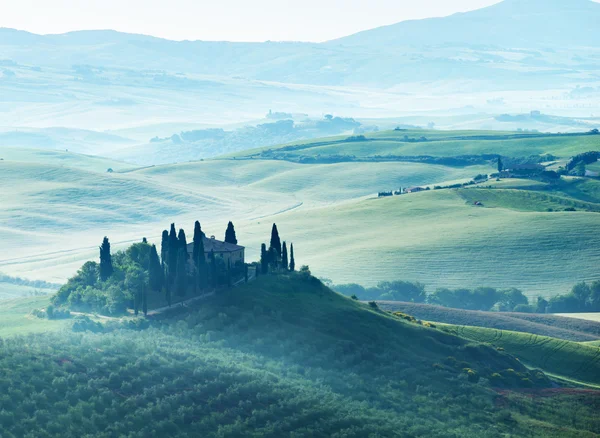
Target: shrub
pixel 373 305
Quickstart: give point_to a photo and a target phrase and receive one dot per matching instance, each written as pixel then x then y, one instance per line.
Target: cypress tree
pixel 274 259
pixel 198 244
pixel 164 247
pixel 264 259
pixel 145 301
pixel 213 268
pixel 106 267
pixel 173 253
pixel 292 261
pixel 275 241
pixel 230 234
pixel 181 273
pixel 500 164
pixel 155 271
pixel 182 241
pixel 284 257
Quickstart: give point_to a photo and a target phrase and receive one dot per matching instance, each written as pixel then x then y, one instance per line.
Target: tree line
pixel 582 298
pixel 276 258
pixel 132 278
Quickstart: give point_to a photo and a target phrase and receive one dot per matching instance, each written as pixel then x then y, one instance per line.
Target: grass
pixel 585 316
pixel 524 200
pixel 436 238
pixel 15 318
pixel 10 290
pixel 560 357
pixel 440 144
pixel 570 329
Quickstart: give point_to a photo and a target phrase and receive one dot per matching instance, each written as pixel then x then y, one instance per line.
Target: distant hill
pixel 554 39
pixel 517 24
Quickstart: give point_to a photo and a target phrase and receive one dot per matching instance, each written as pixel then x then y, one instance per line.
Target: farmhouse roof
pixel 215 245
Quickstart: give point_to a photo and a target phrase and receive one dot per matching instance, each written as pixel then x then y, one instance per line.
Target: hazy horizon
pixel 210 21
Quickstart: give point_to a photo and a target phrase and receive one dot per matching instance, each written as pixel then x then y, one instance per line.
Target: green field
pixel 439 143
pixel 436 238
pixel 572 360
pixel 329 211
pixel 9 290
pixel 15 318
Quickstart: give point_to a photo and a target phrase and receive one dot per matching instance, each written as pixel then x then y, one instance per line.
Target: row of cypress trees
pixel 276 258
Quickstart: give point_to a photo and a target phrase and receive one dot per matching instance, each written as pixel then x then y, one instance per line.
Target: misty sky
pixel 233 20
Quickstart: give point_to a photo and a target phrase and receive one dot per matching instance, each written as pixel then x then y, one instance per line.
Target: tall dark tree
pixel 198 256
pixel 173 253
pixel 181 273
pixel 155 271
pixel 275 241
pixel 214 277
pixel 164 247
pixel 106 267
pixel 500 164
pixel 264 259
pixel 198 244
pixel 274 259
pixel 292 261
pixel 230 234
pixel 182 241
pixel 284 257
pixel 145 301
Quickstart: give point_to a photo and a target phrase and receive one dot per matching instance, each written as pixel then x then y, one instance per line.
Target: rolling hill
pixel 279 356
pixel 568 359
pixel 567 328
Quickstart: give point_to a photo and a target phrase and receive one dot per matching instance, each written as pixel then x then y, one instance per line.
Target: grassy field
pixel 10 290
pixel 439 143
pixel 436 238
pixel 55 214
pixel 568 359
pixel 585 316
pixel 15 318
pixel 569 329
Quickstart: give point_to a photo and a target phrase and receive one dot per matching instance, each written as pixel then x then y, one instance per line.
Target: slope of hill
pixel 569 329
pixel 405 144
pixel 277 357
pixel 437 239
pixel 540 24
pixel 568 359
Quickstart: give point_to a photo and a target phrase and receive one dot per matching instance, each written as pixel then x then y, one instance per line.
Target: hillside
pixel 569 329
pixel 572 360
pixel 403 144
pixel 274 358
pixel 539 24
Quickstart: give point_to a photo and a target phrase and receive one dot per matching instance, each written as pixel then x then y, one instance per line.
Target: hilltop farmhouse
pixel 228 252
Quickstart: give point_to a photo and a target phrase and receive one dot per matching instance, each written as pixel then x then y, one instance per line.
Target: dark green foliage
pixel 181 273
pixel 386 291
pixel 164 247
pixel 182 242
pixel 274 259
pixel 292 260
pixel 155 271
pixel 284 257
pixel 583 298
pixel 230 234
pixel 278 357
pixel 264 259
pixel 500 164
pixel 201 272
pixel 275 242
pixel 173 253
pixel 106 267
pixel 541 305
